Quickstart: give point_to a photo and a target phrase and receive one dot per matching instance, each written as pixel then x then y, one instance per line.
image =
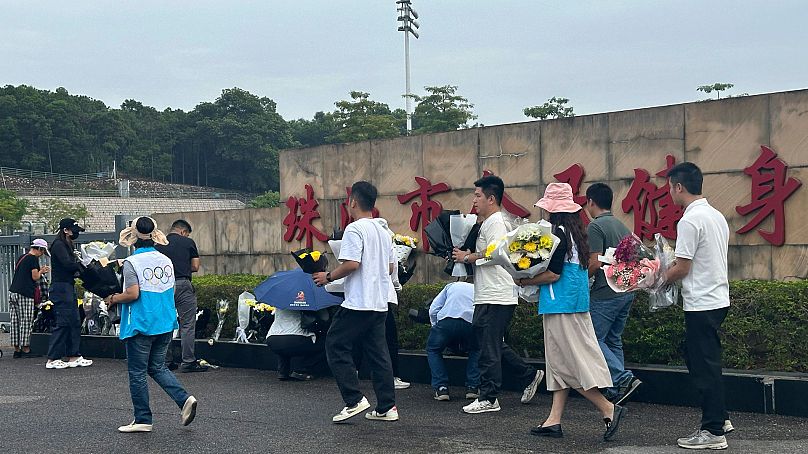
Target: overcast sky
pixel 503 54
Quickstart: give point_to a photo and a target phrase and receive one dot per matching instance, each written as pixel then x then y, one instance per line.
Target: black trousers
pixel 703 359
pixel 291 346
pixel 66 335
pixel 347 328
pixel 489 324
pixel 390 334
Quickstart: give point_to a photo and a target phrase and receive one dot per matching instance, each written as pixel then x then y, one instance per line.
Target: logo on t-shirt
pixel 300 300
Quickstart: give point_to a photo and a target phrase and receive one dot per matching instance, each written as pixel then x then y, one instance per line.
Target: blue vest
pixel 569 294
pixel 153 312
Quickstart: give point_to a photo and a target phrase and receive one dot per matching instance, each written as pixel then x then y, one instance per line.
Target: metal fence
pixel 133 193
pixel 36 175
pixel 12 247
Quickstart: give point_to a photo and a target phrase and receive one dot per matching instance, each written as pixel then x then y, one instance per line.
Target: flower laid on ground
pixel 630 266
pixel 405 240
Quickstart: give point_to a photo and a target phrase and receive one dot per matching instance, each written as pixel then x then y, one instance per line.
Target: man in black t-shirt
pixel 27 273
pixel 185 257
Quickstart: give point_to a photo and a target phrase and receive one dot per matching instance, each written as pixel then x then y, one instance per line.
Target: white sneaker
pixel 188 411
pixel 400 384
pixel 530 391
pixel 728 427
pixel 134 428
pixel 350 412
pixel 56 364
pixel 391 415
pixel 80 362
pixel 481 406
pixel 702 439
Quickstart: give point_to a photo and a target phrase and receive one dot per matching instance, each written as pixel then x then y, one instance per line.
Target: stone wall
pixel 722 137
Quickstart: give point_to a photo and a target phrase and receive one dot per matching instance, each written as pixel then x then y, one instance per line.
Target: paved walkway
pixel 241 410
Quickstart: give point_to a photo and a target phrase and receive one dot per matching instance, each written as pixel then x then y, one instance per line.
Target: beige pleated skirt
pixel 573 355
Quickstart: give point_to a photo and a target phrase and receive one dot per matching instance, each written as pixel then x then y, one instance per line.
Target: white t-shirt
pixel 367 288
pixel 287 322
pixel 703 238
pixel 492 284
pixel 392 296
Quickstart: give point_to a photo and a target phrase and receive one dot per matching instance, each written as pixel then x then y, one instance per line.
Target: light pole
pixel 407 16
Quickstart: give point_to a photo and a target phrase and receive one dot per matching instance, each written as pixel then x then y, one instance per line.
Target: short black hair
pixel 365 195
pixel 601 194
pixel 144 225
pixel 492 185
pixel 688 175
pixel 181 224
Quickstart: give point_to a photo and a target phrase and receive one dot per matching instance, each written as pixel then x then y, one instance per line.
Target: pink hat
pixel 42 244
pixel 558 199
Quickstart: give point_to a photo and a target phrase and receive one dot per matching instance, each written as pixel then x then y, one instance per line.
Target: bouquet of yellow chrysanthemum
pixel 310 261
pixel 403 246
pixel 525 251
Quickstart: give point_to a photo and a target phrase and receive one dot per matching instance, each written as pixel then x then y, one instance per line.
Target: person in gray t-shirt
pixel 609 309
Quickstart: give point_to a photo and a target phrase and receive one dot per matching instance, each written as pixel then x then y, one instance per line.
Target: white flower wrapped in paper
pixel 403 246
pixel 244 301
pixel 97 250
pixel 460 226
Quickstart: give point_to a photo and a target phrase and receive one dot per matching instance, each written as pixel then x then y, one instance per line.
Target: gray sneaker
pixel 728 427
pixel 530 391
pixel 702 439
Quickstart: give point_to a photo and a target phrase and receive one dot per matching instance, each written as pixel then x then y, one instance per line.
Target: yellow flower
pixel 515 246
pixel 316 255
pixel 81 301
pixel 545 242
pixel 303 255
pixel 530 247
pixel 523 263
pixel 490 249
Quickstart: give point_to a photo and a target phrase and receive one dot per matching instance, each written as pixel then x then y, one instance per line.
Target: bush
pixel 766 328
pixel 269 199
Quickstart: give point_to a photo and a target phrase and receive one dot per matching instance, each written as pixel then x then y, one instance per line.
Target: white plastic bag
pixel 459 227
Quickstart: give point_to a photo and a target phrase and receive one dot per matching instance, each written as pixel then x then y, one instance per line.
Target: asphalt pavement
pixel 250 411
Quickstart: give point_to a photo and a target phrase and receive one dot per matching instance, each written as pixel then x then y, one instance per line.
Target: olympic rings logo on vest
pixel 158 274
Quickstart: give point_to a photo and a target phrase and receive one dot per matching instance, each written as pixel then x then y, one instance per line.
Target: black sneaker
pixel 28 354
pixel 472 393
pixel 626 390
pixel 298 376
pixel 442 393
pixel 17 355
pixel 192 367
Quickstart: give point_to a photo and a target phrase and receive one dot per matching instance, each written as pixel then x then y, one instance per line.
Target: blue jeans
pixel 609 319
pixel 446 332
pixel 147 355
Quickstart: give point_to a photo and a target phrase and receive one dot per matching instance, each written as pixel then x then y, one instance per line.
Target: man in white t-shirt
pixel 701 264
pixel 495 298
pixel 366 256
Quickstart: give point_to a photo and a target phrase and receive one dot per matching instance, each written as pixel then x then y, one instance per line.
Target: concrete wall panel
pixel 750 262
pixel 569 141
pixel 643 138
pixel 396 163
pixel 299 168
pixel 344 165
pixel 789 126
pixel 726 135
pixel 234 232
pixel 791 262
pixel 512 153
pixel 451 158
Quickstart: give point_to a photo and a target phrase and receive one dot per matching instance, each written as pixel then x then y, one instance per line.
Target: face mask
pixel 74 234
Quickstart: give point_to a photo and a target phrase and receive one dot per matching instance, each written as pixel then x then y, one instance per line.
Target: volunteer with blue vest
pixel 148 320
pixel 571 351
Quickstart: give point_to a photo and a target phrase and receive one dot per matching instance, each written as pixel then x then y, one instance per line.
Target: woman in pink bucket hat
pixel 572 354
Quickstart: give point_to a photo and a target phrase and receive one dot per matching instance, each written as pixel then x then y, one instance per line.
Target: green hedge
pixel 767 325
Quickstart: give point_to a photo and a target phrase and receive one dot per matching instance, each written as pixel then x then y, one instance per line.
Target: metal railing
pixel 133 193
pixel 37 175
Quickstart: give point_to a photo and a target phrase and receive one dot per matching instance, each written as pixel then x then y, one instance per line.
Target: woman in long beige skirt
pixel 574 359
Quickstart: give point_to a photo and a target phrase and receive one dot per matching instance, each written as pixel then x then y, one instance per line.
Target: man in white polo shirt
pixel 701 264
pixel 495 299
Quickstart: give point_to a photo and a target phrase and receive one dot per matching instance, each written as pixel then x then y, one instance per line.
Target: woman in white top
pixel 288 339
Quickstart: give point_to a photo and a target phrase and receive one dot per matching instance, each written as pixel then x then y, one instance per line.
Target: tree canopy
pixel 555 107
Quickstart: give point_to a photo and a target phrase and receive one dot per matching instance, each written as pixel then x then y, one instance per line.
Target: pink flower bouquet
pixel 630 266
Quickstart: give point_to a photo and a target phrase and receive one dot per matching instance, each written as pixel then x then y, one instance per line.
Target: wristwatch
pixel 328 277
pixel 466 258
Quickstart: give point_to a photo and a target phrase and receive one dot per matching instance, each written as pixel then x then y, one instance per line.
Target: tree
pixel 12 209
pixel 269 199
pixel 442 109
pixel 554 108
pixel 310 133
pixel 363 119
pixel 716 87
pixel 51 211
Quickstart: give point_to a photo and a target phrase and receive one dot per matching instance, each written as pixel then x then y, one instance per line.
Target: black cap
pixel 70 223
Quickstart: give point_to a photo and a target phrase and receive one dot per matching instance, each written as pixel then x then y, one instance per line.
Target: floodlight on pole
pixel 407 16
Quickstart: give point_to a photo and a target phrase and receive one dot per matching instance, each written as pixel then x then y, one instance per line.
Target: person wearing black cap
pixel 66 335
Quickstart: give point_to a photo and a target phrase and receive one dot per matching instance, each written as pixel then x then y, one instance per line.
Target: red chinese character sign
pixel 344 215
pixel 302 213
pixel 574 176
pixel 425 209
pixel 652 206
pixel 770 190
pixel 508 204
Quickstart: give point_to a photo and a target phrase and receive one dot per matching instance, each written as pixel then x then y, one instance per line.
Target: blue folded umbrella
pixel 294 290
